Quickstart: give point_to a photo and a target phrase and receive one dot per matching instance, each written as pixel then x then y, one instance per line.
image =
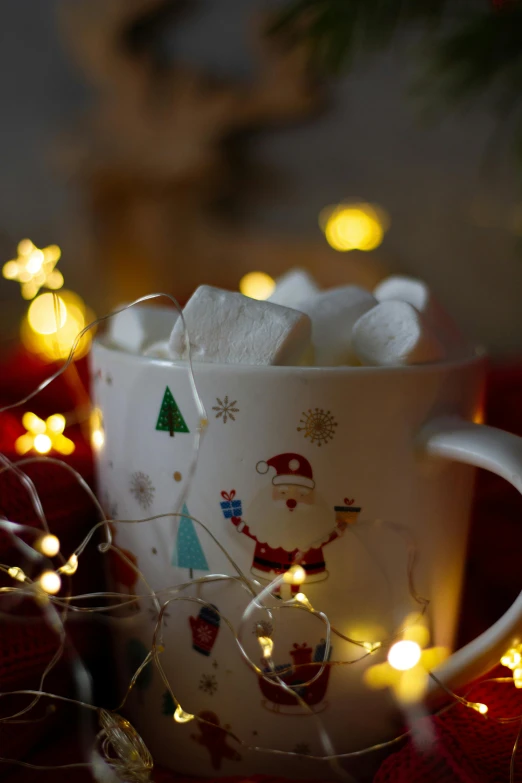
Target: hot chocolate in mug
pixel 347 470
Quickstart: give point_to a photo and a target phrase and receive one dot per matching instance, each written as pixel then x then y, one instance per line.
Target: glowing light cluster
pixel 513 660
pixel 42 436
pixel 406 670
pixel 97 431
pixel 356 226
pixel 295 575
pixel 267 645
pixel 34 268
pixel 52 324
pixel 180 716
pixel 257 285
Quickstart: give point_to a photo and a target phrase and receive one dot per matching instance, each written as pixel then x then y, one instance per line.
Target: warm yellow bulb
pixel 49 545
pixel 295 575
pixel 50 582
pixel 257 285
pixel 16 573
pixel 180 716
pixel 42 443
pixel 35 262
pixel 71 566
pixel 404 655
pixel 47 314
pixel 353 226
pixel 97 439
pixel 372 646
pixel 267 645
pixel 302 599
pixel 482 708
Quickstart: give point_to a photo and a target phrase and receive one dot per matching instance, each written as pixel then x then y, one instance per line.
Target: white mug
pixel 349 467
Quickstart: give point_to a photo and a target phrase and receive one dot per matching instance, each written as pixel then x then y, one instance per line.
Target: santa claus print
pixel 289 520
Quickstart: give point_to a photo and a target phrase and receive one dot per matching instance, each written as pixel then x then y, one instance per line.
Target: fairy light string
pixel 117 745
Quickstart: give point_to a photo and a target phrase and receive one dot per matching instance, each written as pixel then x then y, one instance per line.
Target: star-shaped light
pixel 513 660
pixel 34 268
pixel 42 436
pixel 409 662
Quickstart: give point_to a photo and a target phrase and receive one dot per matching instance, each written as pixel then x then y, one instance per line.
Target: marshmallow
pixel 394 332
pixel 293 288
pixel 333 314
pixel 418 294
pixel 228 327
pixel 139 326
pixel 158 350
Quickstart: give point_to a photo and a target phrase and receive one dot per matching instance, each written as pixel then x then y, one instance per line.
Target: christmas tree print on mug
pixel 288 520
pixel 170 419
pixel 188 552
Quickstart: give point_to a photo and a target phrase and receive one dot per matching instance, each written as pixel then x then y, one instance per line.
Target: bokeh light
pixel 97 432
pixel 53 323
pixel 47 314
pixel 404 655
pixel 295 575
pixel 257 285
pixel 42 436
pixel 34 268
pixel 357 226
pixel 50 582
pixel 49 545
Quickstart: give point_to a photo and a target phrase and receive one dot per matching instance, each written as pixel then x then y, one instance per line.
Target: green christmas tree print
pixel 170 418
pixel 188 552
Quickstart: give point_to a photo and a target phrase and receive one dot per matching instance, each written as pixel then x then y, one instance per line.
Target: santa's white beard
pixel 272 523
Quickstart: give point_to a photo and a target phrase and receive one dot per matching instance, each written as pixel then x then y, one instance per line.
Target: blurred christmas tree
pixel 473 48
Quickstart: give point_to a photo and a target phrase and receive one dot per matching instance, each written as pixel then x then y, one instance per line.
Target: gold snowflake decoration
pixel 208 684
pixel 225 409
pixel 34 268
pixel 318 425
pixel 142 488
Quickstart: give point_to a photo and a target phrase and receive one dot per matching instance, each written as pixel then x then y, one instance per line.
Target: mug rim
pixel 477 358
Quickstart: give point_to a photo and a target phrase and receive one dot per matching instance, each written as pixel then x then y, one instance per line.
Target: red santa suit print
pixel 289 521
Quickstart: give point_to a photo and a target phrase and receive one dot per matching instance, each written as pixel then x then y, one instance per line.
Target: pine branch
pixel 337 30
pixel 477 53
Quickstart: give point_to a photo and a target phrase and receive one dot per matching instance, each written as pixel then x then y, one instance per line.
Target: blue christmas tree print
pixel 188 552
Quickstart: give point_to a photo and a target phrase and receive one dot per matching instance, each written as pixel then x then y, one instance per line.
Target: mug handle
pixel 453 438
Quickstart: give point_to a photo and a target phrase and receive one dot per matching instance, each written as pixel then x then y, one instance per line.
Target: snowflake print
pixel 318 425
pixel 142 488
pixel 204 634
pixel 208 684
pixel 225 409
pixel 155 616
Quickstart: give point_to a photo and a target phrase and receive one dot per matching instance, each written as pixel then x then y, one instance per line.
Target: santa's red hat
pixel 289 469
